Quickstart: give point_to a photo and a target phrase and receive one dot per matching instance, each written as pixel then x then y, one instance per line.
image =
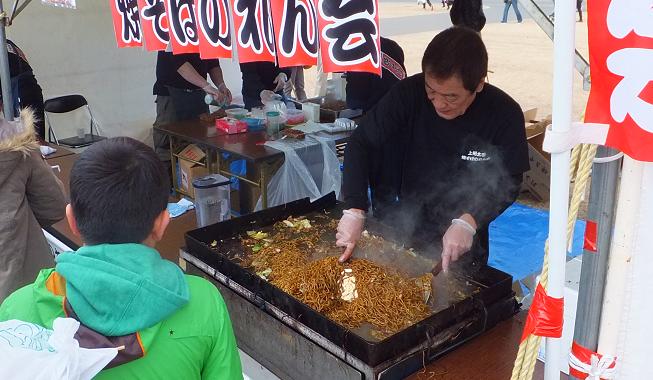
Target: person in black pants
pixel 25 89
pixel 579 8
pixel 180 88
pixel 468 13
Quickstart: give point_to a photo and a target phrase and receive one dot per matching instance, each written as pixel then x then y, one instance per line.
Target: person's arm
pixel 215 72
pixel 281 78
pixel 188 72
pixel 45 193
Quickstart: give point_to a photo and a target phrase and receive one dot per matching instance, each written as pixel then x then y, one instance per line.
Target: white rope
pixel 603 160
pixel 597 369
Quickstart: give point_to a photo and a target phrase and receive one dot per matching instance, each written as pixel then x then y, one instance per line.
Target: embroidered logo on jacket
pixel 474 155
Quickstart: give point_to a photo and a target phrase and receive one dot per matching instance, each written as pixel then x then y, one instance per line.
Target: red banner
pixel 589 243
pixel 213 27
pixel 621 58
pixel 545 316
pixel 254 30
pixel 295 23
pixel 183 26
pixel 125 23
pixel 349 35
pixel 154 22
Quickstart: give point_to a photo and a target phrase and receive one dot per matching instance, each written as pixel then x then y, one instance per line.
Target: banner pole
pixel 5 76
pixel 563 71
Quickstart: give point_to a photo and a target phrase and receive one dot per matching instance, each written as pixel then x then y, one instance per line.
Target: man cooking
pixel 443 154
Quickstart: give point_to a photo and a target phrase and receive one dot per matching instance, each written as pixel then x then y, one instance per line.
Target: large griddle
pixel 491 301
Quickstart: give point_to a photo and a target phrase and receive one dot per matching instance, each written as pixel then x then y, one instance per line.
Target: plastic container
pixel 236 113
pixel 258 113
pixel 275 105
pixel 212 199
pixel 294 116
pixel 231 126
pixel 254 124
pixel 273 124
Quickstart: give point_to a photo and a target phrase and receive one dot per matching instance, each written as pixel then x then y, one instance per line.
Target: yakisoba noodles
pixel 385 299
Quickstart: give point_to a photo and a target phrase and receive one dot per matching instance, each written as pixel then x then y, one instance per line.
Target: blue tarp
pixel 517 240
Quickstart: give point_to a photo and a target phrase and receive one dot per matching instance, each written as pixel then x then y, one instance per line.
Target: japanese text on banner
pixel 213 27
pixel 295 23
pixel 126 23
pixel 183 26
pixel 349 35
pixel 621 58
pixel 154 22
pixel 254 30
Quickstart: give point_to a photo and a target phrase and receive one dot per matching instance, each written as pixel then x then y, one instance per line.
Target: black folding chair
pixel 65 104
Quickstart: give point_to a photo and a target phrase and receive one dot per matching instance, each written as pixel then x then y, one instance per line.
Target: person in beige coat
pixel 31 197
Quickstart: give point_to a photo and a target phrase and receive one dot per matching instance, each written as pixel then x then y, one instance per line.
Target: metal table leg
pixel 173 164
pixel 263 185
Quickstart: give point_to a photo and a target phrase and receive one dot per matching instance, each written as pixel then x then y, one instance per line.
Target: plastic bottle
pixel 210 100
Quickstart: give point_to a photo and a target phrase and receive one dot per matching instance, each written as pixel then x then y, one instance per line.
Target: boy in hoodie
pixel 123 293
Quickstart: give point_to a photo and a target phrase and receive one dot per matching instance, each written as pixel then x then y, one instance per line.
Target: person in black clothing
pixel 180 89
pixel 259 76
pixel 25 89
pixel 443 153
pixel 364 90
pixel 468 13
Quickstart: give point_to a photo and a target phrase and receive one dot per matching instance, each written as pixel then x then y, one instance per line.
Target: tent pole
pixel 605 178
pixel 619 262
pixel 7 98
pixel 563 76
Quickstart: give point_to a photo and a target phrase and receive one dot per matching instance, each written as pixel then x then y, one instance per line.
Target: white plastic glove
pixel 280 81
pixel 350 229
pixel 456 241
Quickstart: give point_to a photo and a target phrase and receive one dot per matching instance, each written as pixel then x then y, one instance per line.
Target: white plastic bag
pixel 32 352
pixel 331 174
pixel 295 179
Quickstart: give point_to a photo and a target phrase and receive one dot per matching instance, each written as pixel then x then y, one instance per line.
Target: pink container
pixel 294 117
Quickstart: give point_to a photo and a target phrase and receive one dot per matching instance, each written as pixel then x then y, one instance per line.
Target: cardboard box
pixel 188 171
pixel 537 179
pixel 193 153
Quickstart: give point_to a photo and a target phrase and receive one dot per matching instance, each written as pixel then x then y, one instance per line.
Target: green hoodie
pixel 180 322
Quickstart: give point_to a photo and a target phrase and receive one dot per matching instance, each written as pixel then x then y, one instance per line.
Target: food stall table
pixel 248 146
pixel 261 159
pixel 61 151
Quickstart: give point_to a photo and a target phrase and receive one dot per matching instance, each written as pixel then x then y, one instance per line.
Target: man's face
pixel 448 96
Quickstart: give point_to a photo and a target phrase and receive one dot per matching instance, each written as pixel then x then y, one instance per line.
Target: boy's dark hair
pixel 118 187
pixel 456 51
